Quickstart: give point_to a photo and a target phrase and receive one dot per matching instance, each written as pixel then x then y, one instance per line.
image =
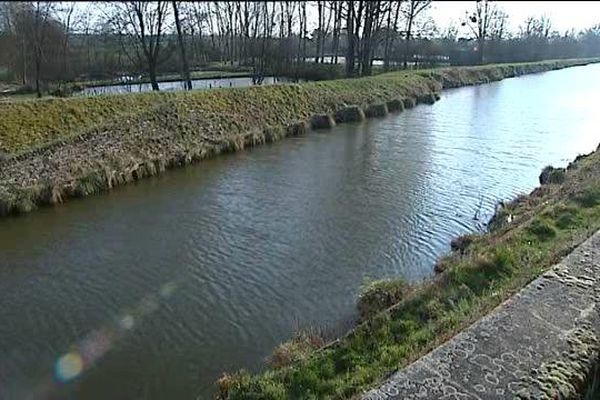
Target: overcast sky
pixel 563 14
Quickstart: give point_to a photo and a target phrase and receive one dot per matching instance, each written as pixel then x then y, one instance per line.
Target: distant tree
pixel 184 61
pixel 411 11
pixel 391 31
pixel 350 17
pixel 485 22
pixel 147 22
pixel 36 34
pixel 590 40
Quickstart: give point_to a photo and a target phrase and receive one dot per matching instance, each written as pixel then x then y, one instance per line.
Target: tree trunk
pixel 38 66
pixel 365 67
pixel 184 61
pixel 351 41
pixel 152 72
pixel 24 60
pixel 386 48
pixel 481 49
pixel 336 31
pixel 304 32
pixel 407 42
pixel 319 30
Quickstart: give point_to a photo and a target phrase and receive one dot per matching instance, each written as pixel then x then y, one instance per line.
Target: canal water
pixel 179 85
pixel 153 290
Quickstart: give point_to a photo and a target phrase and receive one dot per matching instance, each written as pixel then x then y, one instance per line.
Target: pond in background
pixel 179 85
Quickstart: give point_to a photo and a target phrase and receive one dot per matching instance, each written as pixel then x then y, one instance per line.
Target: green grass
pixel 546 226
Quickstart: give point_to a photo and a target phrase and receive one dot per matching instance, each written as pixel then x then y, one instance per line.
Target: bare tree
pixel 536 27
pixel 38 28
pixel 184 61
pixel 391 31
pixel 482 22
pixel 353 17
pixel 337 25
pixel 411 11
pixel 373 12
pixel 147 22
pixel 68 17
pixel 319 31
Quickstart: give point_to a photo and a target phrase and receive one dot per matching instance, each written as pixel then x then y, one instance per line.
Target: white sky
pixel 563 14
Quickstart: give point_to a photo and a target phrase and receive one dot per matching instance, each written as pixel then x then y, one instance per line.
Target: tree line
pixel 50 42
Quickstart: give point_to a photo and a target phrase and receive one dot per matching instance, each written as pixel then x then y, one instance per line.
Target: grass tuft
pixel 542 229
pixel 376 110
pixel 379 295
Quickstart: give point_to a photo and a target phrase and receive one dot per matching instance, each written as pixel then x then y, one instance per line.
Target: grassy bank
pixel 400 323
pixel 54 149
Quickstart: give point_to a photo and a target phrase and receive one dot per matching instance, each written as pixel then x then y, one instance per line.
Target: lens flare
pixel 88 350
pixel 127 322
pixel 167 289
pixel 68 367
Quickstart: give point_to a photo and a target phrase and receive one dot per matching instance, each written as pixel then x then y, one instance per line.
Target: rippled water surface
pixel 164 284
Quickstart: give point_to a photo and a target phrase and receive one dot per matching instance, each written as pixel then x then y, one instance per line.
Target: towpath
pixel 539 344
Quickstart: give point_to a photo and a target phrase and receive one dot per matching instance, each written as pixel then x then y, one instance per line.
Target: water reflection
pixel 179 85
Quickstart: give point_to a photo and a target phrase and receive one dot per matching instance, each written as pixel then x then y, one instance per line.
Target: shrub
pixel 462 242
pixel 298 348
pixel 409 102
pixel 350 114
pixel 376 110
pixel 395 105
pixel 551 175
pixel 590 197
pixel 379 295
pixel 564 216
pixel 427 98
pixel 322 121
pixel 542 229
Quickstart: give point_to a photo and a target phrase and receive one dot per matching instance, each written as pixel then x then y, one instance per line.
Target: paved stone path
pixel 537 345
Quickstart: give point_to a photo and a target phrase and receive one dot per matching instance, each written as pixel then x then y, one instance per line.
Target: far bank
pixel 56 149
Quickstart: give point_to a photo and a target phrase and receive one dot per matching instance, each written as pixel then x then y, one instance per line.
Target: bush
pixel 428 98
pixel 409 102
pixel 298 348
pixel 350 114
pixel 309 71
pixel 563 216
pixel 461 243
pixel 551 175
pixel 589 198
pixel 322 121
pixel 379 295
pixel 395 105
pixel 541 229
pixel 376 110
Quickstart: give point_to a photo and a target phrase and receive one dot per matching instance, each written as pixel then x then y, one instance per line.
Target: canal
pixel 154 289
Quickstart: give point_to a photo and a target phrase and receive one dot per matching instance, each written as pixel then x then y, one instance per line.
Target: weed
pixel 542 229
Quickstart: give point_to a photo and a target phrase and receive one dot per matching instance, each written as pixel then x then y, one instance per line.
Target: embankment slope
pixel 55 149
